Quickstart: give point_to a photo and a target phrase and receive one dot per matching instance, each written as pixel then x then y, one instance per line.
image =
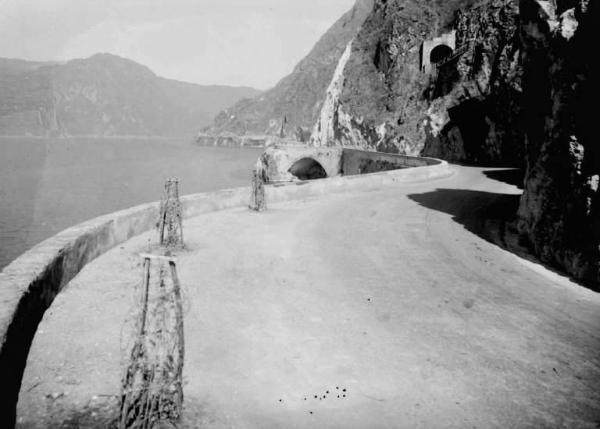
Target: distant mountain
pixel 104 95
pixel 300 95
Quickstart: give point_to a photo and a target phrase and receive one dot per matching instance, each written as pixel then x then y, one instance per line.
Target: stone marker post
pixel 257 195
pixel 170 225
pixel 152 386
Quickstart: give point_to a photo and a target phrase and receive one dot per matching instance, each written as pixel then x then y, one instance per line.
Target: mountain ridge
pixel 104 95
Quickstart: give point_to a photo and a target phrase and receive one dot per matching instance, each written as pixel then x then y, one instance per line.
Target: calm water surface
pixel 48 185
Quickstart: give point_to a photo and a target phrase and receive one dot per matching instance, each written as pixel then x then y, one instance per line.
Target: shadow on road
pixel 511 176
pixel 489 215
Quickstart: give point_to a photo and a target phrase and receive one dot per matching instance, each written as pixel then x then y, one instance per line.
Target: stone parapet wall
pixel 277 161
pixel 362 162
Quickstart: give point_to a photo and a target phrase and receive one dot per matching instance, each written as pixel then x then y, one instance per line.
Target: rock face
pixel 383 82
pixel 559 212
pixel 502 83
pixel 400 103
pixel 512 87
pixel 297 97
pixel 475 98
pixel 104 95
pixel 364 84
pixel 334 127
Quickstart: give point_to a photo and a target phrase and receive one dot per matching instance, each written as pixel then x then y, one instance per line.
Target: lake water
pixel 48 185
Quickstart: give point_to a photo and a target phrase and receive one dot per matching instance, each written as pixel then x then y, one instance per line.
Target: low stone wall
pixel 30 283
pixel 277 161
pixel 362 162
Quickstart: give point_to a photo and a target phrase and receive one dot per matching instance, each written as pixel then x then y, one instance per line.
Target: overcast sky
pixel 230 42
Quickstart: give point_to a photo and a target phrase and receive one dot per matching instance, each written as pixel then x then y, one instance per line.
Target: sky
pixel 226 42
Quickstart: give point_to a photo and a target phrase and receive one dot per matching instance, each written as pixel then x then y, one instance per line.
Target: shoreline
pixel 176 141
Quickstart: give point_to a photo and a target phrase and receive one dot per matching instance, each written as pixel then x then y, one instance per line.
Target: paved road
pixel 391 295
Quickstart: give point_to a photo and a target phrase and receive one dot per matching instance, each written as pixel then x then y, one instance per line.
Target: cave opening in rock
pixel 439 53
pixel 308 169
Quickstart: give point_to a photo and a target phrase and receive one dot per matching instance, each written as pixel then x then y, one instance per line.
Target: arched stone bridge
pixel 301 162
pixel 290 162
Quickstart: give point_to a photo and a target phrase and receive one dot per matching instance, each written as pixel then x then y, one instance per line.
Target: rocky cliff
pixel 559 212
pixel 475 97
pixel 297 97
pixel 500 83
pixel 104 95
pixel 496 82
pixel 389 102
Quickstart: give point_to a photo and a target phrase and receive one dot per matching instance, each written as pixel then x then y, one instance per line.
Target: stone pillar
pixel 152 385
pixel 257 195
pixel 170 225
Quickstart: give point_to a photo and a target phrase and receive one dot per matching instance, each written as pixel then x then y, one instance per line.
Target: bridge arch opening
pixel 307 169
pixel 438 53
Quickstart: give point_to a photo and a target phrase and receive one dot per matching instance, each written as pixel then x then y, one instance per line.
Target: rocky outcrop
pixel 515 89
pixel 385 101
pixel 363 84
pixel 334 127
pixel 104 95
pixel 442 110
pixel 299 96
pixel 327 124
pixel 559 212
pixel 384 86
pixel 475 97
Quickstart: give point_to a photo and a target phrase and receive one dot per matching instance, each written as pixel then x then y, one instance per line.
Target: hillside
pixel 298 96
pixel 104 95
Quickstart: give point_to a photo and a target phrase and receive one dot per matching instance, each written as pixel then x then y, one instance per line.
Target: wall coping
pixel 427 160
pixel 29 284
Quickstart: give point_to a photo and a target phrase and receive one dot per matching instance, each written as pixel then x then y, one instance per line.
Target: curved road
pixel 391 295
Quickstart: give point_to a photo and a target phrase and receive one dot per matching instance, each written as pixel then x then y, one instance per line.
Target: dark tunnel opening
pixel 439 53
pixel 446 74
pixel 308 169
